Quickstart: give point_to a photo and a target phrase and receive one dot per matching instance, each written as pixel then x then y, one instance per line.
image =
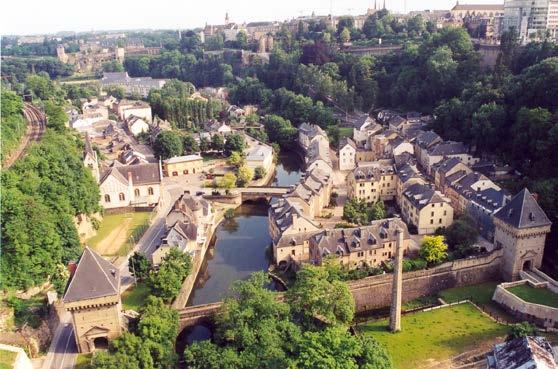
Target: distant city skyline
pixel 42 17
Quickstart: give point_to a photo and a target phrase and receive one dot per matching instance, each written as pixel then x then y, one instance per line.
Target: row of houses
pixel 431 180
pixel 297 236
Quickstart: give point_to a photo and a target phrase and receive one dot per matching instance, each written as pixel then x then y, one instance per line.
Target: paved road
pixel 63 351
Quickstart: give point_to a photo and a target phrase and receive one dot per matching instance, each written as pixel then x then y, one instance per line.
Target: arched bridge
pixel 193 315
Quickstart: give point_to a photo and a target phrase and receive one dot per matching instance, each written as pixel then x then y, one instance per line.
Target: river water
pixel 239 248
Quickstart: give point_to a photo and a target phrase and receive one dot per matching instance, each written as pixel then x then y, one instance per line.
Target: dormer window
pixel 531 217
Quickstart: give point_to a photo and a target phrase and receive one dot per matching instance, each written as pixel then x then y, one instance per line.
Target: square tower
pixel 93 299
pixel 520 230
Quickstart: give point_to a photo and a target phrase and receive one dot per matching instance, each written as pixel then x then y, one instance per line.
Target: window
pixel 445 212
pixel 432 214
pixel 440 221
pixel 121 196
pixel 293 252
pixel 150 190
pixel 107 198
pixel 136 192
pixel 432 205
pixel 431 221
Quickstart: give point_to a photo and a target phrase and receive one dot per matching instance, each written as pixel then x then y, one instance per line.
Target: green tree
pixel 168 144
pixel 244 176
pixel 242 39
pixel 259 173
pixel 113 66
pixel 217 143
pixel 461 235
pixel 316 300
pixel 345 35
pixel 236 159
pixel 56 117
pixel 433 249
pixel 228 181
pixel 205 145
pixel 522 329
pixel 117 91
pixel 139 265
pixel 190 145
pixel 235 142
pixel 166 281
pixel 378 211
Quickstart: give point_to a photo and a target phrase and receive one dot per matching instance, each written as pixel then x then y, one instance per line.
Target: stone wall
pixel 542 315
pixel 375 292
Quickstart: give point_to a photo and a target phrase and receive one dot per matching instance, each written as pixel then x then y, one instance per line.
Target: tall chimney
pixel 397 285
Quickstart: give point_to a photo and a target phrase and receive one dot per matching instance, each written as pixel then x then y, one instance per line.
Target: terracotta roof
pixel 94 277
pixel 523 212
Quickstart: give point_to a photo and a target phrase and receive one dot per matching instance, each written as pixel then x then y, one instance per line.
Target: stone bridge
pixel 258 193
pixel 193 315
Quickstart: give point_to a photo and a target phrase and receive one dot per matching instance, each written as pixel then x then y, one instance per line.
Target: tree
pixel 217 142
pixel 242 39
pixel 433 249
pixel 167 145
pixel 205 145
pixel 315 300
pixel 117 91
pixel 522 329
pixel 228 181
pixel 235 142
pixel 345 35
pixel 113 66
pixel 190 145
pixel 259 173
pixel 139 265
pixel 236 159
pixel 244 176
pixel 357 211
pixel 56 117
pixel 461 235
pixel 378 211
pixel 166 281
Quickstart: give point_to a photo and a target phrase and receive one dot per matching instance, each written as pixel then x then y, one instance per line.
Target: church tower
pixel 520 230
pixel 90 159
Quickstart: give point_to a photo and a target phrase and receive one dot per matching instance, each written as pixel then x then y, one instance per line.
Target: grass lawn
pixel 135 297
pixel 480 294
pixel 83 361
pixel 113 235
pixel 345 132
pixel 542 296
pixel 436 335
pixel 7 359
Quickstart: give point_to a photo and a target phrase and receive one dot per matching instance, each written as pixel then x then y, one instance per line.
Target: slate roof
pixel 88 149
pixel 347 141
pixel 367 173
pixel 446 165
pixel 523 353
pixel 523 212
pixel 361 120
pixel 449 148
pixel 481 7
pixel 427 139
pixel 421 195
pixel 94 277
pixel 397 120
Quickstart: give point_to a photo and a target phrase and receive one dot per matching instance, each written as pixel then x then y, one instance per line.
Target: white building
pixel 136 125
pixel 347 154
pixel 260 155
pixel 127 108
pixel 131 185
pixel 531 18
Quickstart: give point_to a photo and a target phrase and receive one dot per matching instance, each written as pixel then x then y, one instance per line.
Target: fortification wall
pixel 544 316
pixel 375 292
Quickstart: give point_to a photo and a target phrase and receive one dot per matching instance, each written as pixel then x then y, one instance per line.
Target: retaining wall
pixel 375 292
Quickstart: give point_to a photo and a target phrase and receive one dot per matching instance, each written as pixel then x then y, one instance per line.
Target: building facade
pixel 182 165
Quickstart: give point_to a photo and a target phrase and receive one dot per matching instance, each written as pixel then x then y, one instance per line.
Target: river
pixel 240 247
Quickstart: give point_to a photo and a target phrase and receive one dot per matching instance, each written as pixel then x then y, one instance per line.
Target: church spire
pixel 384 5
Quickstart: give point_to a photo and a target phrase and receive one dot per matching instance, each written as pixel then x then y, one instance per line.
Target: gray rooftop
pixel 523 212
pixel 421 195
pixel 523 353
pixel 94 277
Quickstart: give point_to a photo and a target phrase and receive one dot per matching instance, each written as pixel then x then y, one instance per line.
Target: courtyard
pixel 430 337
pixel 541 296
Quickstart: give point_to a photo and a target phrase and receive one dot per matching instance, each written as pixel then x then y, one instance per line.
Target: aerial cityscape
pixel 374 188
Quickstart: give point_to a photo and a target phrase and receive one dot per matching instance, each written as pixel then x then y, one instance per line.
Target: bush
pixel 229 214
pixel 522 329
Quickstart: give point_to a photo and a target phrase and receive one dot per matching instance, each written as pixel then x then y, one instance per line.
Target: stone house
pixel 447 167
pixel 182 165
pixel 423 143
pixel 482 206
pixel 425 208
pixel 260 155
pixel 407 175
pixel 136 125
pixel 365 127
pixel 447 149
pixel 289 227
pixel 131 185
pixel 126 108
pixel 347 154
pixel 356 247
pixel 308 133
pixel 220 128
pixel 182 235
pixel 398 146
pixel 312 193
pixel 93 299
pixel 317 155
pixel 462 190
pixel 372 183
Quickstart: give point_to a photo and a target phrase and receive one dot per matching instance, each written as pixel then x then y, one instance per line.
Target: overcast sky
pixel 50 16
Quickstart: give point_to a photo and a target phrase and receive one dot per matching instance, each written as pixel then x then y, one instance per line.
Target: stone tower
pixel 397 285
pixel 61 54
pixel 520 230
pixel 90 159
pixel 93 299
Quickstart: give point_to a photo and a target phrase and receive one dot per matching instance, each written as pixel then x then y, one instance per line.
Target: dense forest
pixel 41 194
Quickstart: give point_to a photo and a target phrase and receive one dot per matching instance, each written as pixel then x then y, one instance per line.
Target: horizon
pixel 107 16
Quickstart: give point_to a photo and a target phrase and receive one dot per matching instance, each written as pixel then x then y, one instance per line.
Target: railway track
pixel 35 129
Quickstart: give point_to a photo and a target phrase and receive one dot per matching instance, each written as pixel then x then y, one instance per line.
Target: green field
pixel 480 294
pixel 541 296
pixel 115 230
pixel 345 132
pixel 7 359
pixel 436 335
pixel 135 297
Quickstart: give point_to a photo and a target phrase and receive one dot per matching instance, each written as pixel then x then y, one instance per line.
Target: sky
pixel 25 17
